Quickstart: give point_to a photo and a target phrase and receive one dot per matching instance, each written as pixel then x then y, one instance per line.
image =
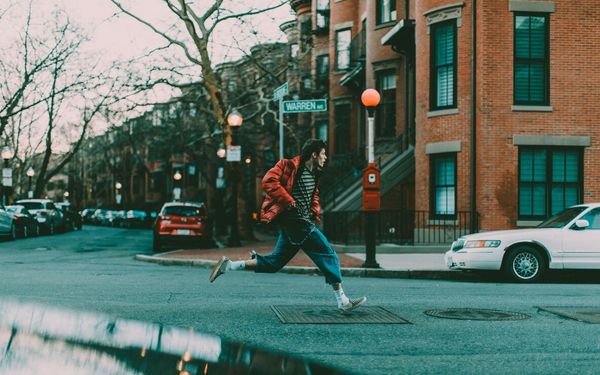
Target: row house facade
pixel 493 100
pixel 180 138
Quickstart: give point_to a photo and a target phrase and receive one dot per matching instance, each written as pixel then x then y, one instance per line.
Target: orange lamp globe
pixel 370 98
pixel 235 119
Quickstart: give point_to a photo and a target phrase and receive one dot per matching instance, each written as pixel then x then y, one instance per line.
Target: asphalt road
pixel 94 270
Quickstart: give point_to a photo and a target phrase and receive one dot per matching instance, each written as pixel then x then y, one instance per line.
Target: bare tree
pixel 200 26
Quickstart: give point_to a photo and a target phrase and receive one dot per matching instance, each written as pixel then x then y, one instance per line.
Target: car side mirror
pixel 581 224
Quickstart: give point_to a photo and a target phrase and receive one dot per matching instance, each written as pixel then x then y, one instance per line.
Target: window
pixel 386 11
pixel 342 127
pixel 294 49
pixel 305 34
pixel 443 185
pixel 322 66
pixel 322 73
pixel 531 75
pixel 322 130
pixel 593 217
pixel 386 111
pixel 549 181
pixel 342 49
pixel 443 65
pixel 322 14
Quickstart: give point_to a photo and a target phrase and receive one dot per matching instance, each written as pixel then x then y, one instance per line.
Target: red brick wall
pixel 453 127
pixel 574 82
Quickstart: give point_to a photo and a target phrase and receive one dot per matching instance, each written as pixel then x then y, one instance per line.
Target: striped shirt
pixel 302 192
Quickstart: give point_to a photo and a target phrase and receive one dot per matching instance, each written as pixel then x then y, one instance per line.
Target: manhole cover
pixel 327 315
pixel 580 313
pixel 476 314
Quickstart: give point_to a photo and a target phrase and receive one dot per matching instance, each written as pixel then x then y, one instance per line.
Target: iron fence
pixel 403 227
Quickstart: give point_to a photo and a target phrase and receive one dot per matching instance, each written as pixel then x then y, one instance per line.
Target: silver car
pixel 47 215
pixel 7 224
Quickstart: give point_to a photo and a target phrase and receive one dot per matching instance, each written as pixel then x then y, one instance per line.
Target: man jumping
pixel 292 202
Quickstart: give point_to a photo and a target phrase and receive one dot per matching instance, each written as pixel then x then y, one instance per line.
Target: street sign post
pixel 293 106
pixel 313 105
pixel 278 94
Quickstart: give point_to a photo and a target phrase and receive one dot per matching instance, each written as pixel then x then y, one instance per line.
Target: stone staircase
pixel 347 194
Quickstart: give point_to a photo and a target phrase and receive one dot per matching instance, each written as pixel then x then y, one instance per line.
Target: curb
pixel 349 272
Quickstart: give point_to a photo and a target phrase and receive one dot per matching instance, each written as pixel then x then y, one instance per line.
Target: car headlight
pixel 482 243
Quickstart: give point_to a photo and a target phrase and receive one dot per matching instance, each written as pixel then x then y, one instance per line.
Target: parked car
pixel 113 218
pixel 180 221
pixel 26 224
pixel 568 240
pixel 86 215
pixel 47 215
pixel 99 216
pixel 7 224
pixel 72 219
pixel 135 219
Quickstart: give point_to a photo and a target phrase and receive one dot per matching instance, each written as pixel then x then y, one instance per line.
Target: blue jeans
pixel 313 243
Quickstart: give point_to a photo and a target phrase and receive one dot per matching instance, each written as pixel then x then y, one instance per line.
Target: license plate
pixel 183 231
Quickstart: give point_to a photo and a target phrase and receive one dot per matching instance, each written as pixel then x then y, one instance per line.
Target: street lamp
pixel 30 173
pixel 370 98
pixel 7 154
pixel 176 189
pixel 118 187
pixel 234 120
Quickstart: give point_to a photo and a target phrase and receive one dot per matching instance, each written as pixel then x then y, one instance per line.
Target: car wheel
pixel 37 231
pixel 13 232
pixel 155 244
pixel 525 264
pixel 25 231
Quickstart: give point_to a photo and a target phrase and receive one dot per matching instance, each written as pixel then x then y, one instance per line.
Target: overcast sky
pixel 121 38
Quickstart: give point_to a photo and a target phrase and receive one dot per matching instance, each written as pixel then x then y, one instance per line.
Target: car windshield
pixel 32 205
pixel 13 209
pixel 562 218
pixel 183 211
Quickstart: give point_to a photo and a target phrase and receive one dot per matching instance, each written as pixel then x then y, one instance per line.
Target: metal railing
pixel 342 174
pixel 358 50
pixel 402 227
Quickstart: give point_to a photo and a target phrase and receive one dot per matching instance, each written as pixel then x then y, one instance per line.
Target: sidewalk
pixel 395 261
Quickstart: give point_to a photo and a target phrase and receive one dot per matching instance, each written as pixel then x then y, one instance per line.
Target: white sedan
pixel 568 240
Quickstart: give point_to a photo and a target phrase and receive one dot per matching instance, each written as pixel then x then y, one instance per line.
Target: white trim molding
pixel 343 25
pixel 442 147
pixel 444 13
pixel 442 112
pixel 531 108
pixel 552 140
pixel 531 6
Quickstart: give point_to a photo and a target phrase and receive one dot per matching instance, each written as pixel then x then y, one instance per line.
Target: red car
pixel 181 222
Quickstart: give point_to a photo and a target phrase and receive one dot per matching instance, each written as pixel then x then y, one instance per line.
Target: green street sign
pixel 295 106
pixel 280 92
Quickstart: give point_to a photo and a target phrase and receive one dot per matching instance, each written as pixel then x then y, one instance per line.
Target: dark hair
pixel 310 146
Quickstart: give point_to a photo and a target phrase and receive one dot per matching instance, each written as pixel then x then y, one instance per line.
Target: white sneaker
pixel 352 304
pixel 219 269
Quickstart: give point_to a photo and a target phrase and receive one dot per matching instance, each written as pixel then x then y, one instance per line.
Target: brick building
pixel 499 118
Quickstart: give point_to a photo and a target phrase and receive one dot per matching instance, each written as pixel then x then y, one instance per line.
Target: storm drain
pixel 580 313
pixel 476 314
pixel 304 314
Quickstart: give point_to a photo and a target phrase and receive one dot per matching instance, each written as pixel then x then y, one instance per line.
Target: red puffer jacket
pixel 278 183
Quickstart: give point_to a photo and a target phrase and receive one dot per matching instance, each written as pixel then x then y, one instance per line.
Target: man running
pixel 292 202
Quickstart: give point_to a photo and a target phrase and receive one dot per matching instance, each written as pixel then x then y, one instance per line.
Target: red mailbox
pixel 371 188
